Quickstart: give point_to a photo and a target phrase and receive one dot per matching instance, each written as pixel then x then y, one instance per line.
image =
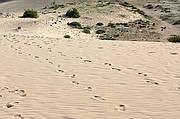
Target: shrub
pixel 101 31
pixel 174 39
pixel 99 24
pixel 177 22
pixel 149 6
pixel 67 36
pixel 30 13
pixel 87 31
pixel 56 6
pixel 73 13
pixel 112 25
pixel 75 25
pixel 87 27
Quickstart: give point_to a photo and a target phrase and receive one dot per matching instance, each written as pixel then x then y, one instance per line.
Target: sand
pixel 45 76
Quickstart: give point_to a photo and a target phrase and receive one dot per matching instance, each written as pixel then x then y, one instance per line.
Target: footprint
pixel 18 116
pixel 10 105
pixel 21 93
pixel 99 98
pixel 142 74
pixel 4 88
pixel 36 56
pixel 151 81
pixel 87 61
pixel 74 82
pixel 173 53
pixel 108 64
pixel 88 88
pixel 73 76
pixel 60 71
pixel 79 57
pixel 178 88
pixel 116 69
pixel 1 96
pixel 120 108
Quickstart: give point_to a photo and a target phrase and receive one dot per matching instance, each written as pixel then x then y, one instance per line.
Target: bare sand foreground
pixel 45 76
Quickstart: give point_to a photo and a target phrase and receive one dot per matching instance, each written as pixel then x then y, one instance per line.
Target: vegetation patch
pixel 73 13
pixel 87 31
pixel 99 24
pixel 67 36
pixel 174 39
pixel 101 31
pixel 56 6
pixel 30 13
pixel 75 25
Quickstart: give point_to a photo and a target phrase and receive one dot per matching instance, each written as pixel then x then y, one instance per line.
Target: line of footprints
pixel 120 107
pixel 9 105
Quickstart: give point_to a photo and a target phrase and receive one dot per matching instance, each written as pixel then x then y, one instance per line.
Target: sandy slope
pixel 44 76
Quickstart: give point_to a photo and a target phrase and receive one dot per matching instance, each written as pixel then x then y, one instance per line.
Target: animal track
pixel 99 98
pixel 87 61
pixel 108 64
pixel 142 74
pixel 88 88
pixel 18 116
pixel 116 69
pixel 120 108
pixel 151 81
pixel 60 71
pixel 10 105
pixel 74 82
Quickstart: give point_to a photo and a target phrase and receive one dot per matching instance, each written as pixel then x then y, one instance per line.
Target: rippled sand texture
pixel 48 78
pixel 45 76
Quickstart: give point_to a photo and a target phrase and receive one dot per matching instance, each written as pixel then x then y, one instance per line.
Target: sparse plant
pixel 100 31
pixel 87 31
pixel 149 6
pixel 67 36
pixel 75 25
pixel 112 25
pixel 174 39
pixel 30 13
pixel 55 5
pixel 73 13
pixel 99 24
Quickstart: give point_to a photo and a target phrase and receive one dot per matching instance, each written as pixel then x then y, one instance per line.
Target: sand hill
pixel 46 76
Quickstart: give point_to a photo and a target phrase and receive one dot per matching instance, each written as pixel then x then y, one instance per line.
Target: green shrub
pixel 112 25
pixel 87 27
pixel 67 36
pixel 177 22
pixel 101 31
pixel 174 39
pixel 55 6
pixel 30 13
pixel 149 6
pixel 73 13
pixel 87 31
pixel 75 25
pixel 99 24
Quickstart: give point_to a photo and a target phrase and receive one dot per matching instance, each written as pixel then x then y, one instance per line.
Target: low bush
pixel 73 13
pixel 99 24
pixel 55 6
pixel 101 31
pixel 174 39
pixel 87 31
pixel 67 36
pixel 112 25
pixel 149 6
pixel 30 13
pixel 75 25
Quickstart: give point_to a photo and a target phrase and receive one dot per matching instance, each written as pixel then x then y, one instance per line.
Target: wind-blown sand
pixel 45 76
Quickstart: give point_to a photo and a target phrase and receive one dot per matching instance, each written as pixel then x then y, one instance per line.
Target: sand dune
pixel 45 76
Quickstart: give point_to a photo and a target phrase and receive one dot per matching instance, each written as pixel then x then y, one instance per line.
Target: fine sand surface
pixel 45 76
